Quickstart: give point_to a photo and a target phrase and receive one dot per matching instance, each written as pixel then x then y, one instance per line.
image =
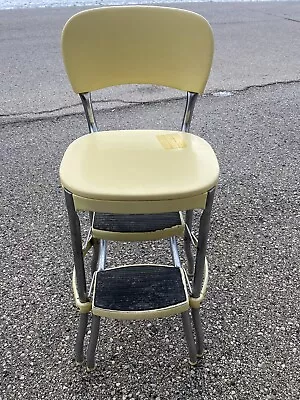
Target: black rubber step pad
pixel 135 222
pixel 139 288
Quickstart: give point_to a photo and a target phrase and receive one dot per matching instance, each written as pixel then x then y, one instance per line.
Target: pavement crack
pixel 45 114
pixel 286 18
pixel 280 16
pixel 68 107
pixel 53 110
pixel 262 85
pixel 291 19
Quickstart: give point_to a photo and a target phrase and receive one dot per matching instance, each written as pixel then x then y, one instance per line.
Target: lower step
pixel 140 292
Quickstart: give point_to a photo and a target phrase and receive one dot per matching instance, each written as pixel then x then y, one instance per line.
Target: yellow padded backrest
pixel 137 44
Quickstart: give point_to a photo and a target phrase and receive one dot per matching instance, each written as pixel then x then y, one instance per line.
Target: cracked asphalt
pixel 256 43
pixel 251 315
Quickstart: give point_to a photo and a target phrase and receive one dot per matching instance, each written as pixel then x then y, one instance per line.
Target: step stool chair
pixel 138 184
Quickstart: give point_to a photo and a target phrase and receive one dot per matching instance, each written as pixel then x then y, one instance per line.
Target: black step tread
pixel 128 223
pixel 139 288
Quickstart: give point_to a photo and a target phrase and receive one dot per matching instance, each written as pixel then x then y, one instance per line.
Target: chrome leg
pixel 185 127
pixel 80 338
pixel 189 337
pixel 76 246
pixel 98 264
pixel 80 272
pixel 199 332
pixel 96 250
pixel 90 359
pixel 187 242
pixel 202 244
pixel 199 275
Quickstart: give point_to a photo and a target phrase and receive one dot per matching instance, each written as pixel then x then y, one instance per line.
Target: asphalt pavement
pixel 255 44
pixel 251 315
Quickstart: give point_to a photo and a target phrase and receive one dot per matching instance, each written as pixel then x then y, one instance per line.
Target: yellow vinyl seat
pixel 138 185
pixel 131 180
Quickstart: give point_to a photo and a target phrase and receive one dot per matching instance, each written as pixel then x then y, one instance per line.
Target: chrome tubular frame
pixel 82 328
pixel 174 250
pixel 102 255
pixel 202 244
pixel 87 103
pixel 196 267
pixel 76 246
pixel 185 127
pixel 187 241
pixel 91 350
pixel 188 332
pixel 199 269
pixel 188 112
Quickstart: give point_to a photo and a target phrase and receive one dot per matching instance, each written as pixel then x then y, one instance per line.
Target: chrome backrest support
pixel 87 103
pixel 188 112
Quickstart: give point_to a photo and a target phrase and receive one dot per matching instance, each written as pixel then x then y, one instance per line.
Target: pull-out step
pixel 140 292
pixel 136 227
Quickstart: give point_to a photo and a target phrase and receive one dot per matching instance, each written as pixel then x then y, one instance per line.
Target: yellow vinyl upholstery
pixel 137 44
pixel 122 171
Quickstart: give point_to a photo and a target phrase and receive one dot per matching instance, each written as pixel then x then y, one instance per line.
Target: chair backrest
pixel 137 44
